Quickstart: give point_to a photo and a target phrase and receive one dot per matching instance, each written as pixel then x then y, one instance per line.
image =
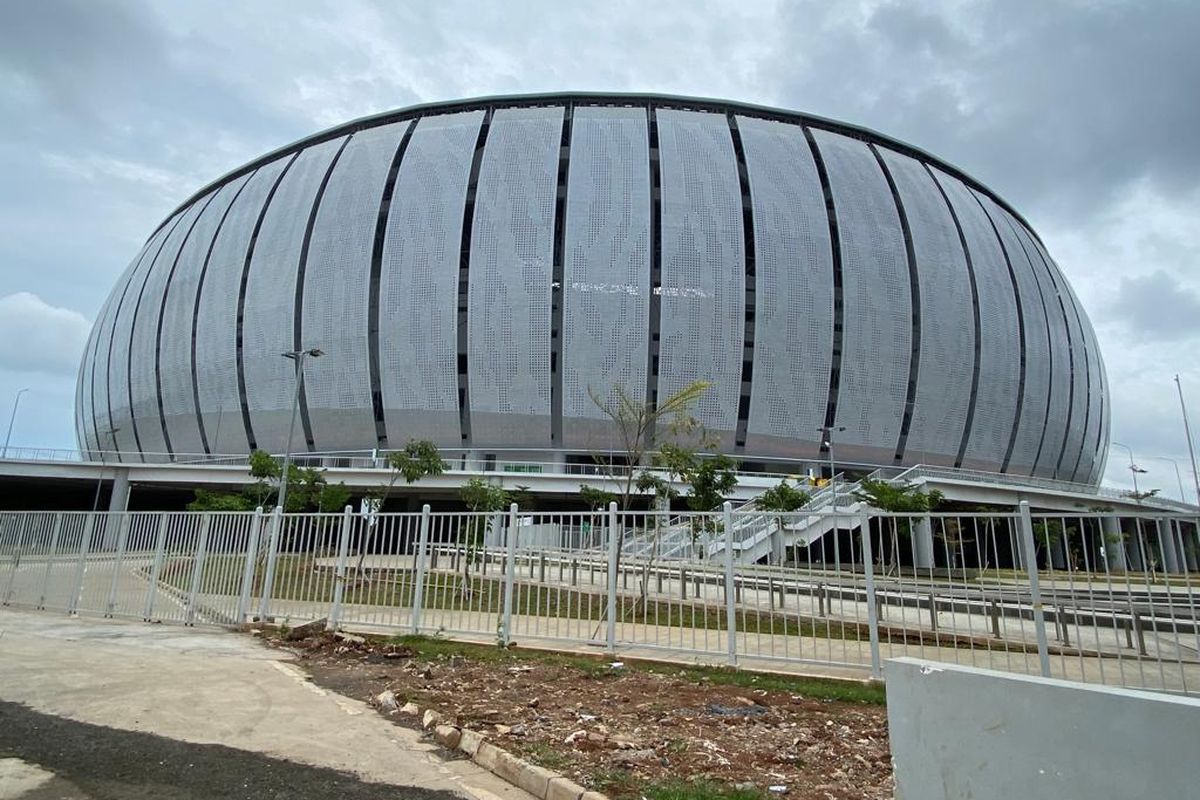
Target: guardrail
pixel 1095 597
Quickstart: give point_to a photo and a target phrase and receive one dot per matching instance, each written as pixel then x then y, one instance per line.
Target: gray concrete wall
pixel 960 732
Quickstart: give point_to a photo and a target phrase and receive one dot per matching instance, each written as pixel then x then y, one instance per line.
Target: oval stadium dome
pixel 474 270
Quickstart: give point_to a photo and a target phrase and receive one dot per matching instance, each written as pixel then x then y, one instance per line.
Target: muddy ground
pixel 621 729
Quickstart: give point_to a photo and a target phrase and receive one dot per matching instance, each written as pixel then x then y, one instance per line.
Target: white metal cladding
pixel 947 316
pixel 606 271
pixel 175 345
pixel 118 359
pixel 337 289
pixel 1106 420
pixel 142 380
pixel 267 325
pixel 418 288
pixel 876 301
pixel 512 248
pixel 1041 360
pixel 999 345
pixel 703 295
pixel 793 315
pixel 216 331
pixel 1090 465
pixel 1073 375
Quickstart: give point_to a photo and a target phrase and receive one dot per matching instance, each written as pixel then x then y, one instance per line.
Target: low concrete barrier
pixel 959 732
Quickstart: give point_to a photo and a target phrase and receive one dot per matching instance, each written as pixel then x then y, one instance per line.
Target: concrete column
pixel 777 549
pixel 922 543
pixel 1189 543
pixel 1058 552
pixel 120 491
pixel 1169 546
pixel 1114 543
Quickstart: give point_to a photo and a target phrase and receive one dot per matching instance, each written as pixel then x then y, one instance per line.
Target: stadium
pixel 474 272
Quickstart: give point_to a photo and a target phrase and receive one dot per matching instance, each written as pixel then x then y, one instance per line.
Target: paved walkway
pixel 210 687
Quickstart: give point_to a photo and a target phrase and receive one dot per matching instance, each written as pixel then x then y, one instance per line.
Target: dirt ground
pixel 624 729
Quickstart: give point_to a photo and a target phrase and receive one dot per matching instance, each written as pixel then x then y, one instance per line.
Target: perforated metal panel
pixel 512 248
pixel 142 378
pixel 216 333
pixel 175 343
pixel 1042 359
pixel 606 275
pixel 118 356
pixel 418 290
pixel 337 288
pixel 1000 350
pixel 1105 424
pixel 1071 365
pixel 702 322
pixel 947 316
pixel 1088 464
pixel 876 342
pixel 1045 353
pixel 793 312
pixel 268 324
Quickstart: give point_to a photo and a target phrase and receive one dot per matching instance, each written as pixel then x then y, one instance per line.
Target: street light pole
pixel 1187 430
pixel 1135 469
pixel 1178 474
pixel 298 357
pixel 827 442
pixel 11 420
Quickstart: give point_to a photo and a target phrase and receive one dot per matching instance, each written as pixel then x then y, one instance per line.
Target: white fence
pixel 1092 597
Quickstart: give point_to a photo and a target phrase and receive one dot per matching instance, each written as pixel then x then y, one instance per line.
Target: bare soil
pixel 626 729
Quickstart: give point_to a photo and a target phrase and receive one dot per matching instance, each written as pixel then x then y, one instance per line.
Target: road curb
pixel 542 783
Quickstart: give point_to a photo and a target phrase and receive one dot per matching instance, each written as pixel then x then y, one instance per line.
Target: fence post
pixel 264 605
pixel 58 521
pixel 610 613
pixel 248 570
pixel 339 574
pixel 84 546
pixel 510 568
pixel 198 568
pixel 1035 596
pixel 126 520
pixel 16 562
pixel 730 587
pixel 160 541
pixel 418 598
pixel 864 527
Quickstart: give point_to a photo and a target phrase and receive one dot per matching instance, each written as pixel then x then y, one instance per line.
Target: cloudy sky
pixel 1083 115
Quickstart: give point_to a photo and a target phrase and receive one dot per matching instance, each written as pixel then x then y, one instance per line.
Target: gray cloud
pixel 1157 307
pixel 40 337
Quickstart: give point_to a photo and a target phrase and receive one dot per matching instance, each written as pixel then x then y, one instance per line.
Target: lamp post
pixel 1178 474
pixel 1135 469
pixel 1187 430
pixel 827 432
pixel 298 357
pixel 112 435
pixel 12 419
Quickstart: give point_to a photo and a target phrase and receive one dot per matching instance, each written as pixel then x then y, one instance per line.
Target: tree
pixel 333 497
pixel 219 501
pixel 710 480
pixel 482 498
pixel 596 499
pixel 641 427
pixel 781 499
pixel 901 498
pixel 419 459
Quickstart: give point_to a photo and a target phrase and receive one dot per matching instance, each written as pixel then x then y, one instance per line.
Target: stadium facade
pixel 473 270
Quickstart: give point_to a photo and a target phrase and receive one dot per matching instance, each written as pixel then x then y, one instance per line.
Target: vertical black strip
pixel 100 325
pixel 241 302
pixel 914 294
pixel 298 306
pixel 1012 276
pixel 133 331
pixel 557 293
pixel 381 222
pixel 978 325
pixel 196 310
pixel 464 269
pixel 162 307
pixel 749 254
pixel 656 212
pixel 1070 350
pixel 835 246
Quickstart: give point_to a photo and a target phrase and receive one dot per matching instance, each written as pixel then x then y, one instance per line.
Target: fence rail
pixel 1093 597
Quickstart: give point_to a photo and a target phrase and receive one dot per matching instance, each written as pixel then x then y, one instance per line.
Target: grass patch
pixel 598 667
pixel 545 756
pixel 697 790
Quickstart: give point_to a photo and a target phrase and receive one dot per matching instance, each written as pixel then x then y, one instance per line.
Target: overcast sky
pixel 1083 115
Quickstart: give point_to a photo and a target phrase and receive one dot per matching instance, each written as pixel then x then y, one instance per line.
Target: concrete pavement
pixel 210 687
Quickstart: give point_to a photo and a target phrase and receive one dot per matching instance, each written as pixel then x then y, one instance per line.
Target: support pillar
pixel 1114 543
pixel 119 501
pixel 1169 546
pixel 922 543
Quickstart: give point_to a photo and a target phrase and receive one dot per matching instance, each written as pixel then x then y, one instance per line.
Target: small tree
pixel 596 499
pixel 265 470
pixel 710 480
pixel 219 501
pixel 333 497
pixel 781 499
pixel 901 498
pixel 419 459
pixel 482 498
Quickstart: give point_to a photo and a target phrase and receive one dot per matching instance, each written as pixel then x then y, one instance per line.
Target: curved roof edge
pixel 597 98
